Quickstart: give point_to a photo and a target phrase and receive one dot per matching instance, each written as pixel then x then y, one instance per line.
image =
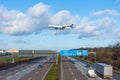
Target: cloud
pixel 17 23
pixel 37 18
pixel 105 12
pixel 19 41
pixel 64 17
pixel 92 28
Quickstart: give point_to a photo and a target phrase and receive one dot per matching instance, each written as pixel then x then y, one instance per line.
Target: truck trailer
pixel 105 70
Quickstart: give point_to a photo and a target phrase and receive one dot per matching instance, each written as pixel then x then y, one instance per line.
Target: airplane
pixel 60 27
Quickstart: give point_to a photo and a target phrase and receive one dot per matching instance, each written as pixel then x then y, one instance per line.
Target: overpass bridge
pixel 33 53
pixel 37 53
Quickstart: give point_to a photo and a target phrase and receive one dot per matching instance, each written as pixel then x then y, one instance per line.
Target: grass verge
pixel 8 60
pixel 54 72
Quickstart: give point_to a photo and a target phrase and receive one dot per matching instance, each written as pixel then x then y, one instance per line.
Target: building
pixel 14 51
pixel 2 52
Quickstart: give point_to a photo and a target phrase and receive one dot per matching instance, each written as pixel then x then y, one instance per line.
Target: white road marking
pixel 47 72
pixel 72 73
pixel 18 78
pixel 70 69
pixel 75 79
pixel 9 77
pixel 84 68
pixel 17 72
pixel 8 73
pixel 99 78
pixel 36 72
pixel 29 78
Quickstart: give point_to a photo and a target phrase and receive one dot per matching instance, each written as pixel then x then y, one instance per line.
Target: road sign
pixel 85 52
pixel 79 52
pixel 68 53
pixel 74 52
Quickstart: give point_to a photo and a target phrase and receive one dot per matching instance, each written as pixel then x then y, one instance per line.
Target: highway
pixel 80 65
pixel 69 71
pixel 28 71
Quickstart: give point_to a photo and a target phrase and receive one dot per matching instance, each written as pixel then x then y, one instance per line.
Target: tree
pixel 116 51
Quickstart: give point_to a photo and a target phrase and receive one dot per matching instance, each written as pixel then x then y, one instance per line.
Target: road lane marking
pixel 9 73
pixel 18 78
pixel 17 72
pixel 36 72
pixel 72 73
pixel 75 79
pixel 70 69
pixel 29 78
pixel 9 77
pixel 47 72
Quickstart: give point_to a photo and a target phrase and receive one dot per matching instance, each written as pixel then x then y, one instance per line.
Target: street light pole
pixel 32 53
pixel 57 59
pixel 13 61
pixel 94 59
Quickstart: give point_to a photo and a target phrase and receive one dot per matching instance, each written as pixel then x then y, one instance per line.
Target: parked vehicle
pixel 91 73
pixel 105 70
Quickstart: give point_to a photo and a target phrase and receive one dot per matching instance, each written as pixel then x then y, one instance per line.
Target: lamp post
pixel 13 61
pixel 95 61
pixel 57 58
pixel 94 58
pixel 33 53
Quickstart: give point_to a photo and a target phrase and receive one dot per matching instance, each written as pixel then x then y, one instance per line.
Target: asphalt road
pixel 38 73
pixel 27 71
pixel 69 71
pixel 80 65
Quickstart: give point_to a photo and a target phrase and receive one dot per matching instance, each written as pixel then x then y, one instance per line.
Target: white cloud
pixel 18 23
pixel 92 28
pixel 64 17
pixel 106 12
pixel 85 26
pixel 38 17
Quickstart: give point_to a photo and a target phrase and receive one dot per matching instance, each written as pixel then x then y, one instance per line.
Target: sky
pixel 24 24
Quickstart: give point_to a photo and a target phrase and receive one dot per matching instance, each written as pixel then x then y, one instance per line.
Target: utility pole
pixel 32 53
pixel 94 58
pixel 13 61
pixel 57 58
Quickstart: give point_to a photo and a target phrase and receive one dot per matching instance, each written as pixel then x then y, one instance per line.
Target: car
pixel 91 73
pixel 40 66
pixel 87 65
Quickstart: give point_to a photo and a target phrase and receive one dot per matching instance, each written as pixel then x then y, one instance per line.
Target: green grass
pixel 8 60
pixel 53 74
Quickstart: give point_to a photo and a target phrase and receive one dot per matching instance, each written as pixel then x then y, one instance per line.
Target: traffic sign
pixel 85 52
pixel 74 52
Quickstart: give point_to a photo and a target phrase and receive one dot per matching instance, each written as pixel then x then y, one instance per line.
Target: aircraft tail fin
pixel 71 26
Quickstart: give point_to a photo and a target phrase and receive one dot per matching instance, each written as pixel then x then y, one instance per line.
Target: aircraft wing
pixel 60 27
pixel 54 26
